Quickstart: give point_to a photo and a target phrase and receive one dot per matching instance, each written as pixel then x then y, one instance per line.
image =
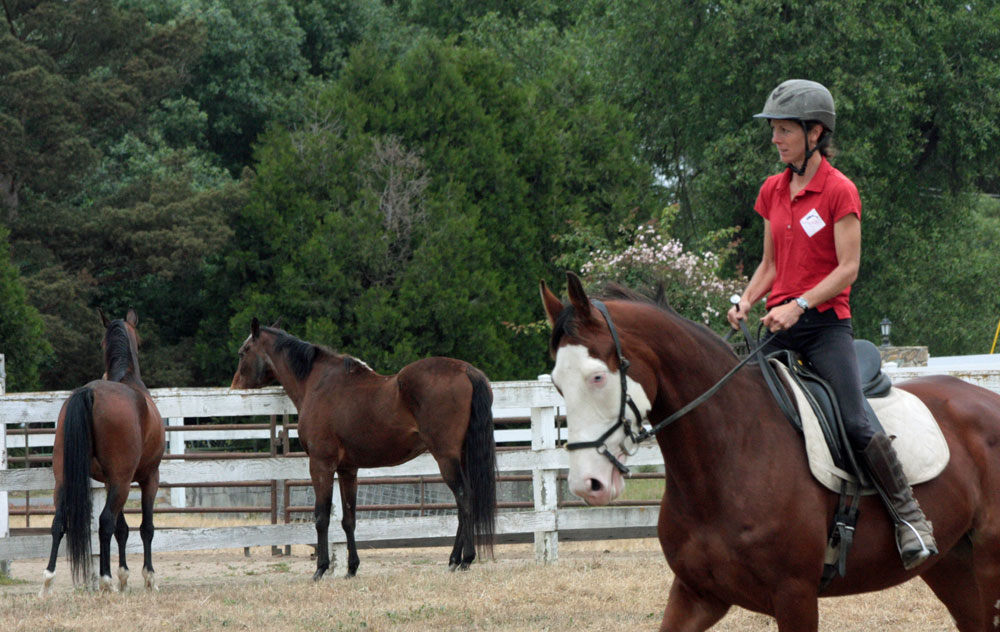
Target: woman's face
pixel 788 137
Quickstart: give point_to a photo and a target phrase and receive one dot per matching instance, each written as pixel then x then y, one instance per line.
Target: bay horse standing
pixel 109 430
pixel 351 417
pixel 742 521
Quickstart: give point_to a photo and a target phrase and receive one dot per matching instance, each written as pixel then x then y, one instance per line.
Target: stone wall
pixel 904 356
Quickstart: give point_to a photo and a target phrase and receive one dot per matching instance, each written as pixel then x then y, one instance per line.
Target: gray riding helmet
pixel 802 100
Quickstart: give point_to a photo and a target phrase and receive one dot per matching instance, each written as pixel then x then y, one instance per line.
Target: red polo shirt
pixel 802 232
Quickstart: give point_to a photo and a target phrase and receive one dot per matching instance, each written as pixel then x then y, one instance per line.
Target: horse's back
pixel 956 403
pixel 430 380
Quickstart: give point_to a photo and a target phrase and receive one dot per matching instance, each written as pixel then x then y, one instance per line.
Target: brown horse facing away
pixel 351 417
pixel 742 521
pixel 109 430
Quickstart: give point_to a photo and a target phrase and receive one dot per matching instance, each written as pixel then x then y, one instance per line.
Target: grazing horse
pixel 109 430
pixel 351 417
pixel 742 521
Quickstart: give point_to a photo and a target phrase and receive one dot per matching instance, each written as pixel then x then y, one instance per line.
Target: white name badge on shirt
pixel 812 223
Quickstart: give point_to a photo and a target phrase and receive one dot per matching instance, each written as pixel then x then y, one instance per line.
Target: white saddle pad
pixel 921 446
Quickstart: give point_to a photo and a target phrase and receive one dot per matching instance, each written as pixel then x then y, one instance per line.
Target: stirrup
pixel 914 557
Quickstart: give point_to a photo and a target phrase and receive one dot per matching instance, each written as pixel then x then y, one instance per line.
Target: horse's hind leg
pixel 146 529
pixel 464 551
pixel 349 499
pixel 322 480
pixel 117 494
pixel 986 565
pixel 58 529
pixel 953 580
pixel 121 536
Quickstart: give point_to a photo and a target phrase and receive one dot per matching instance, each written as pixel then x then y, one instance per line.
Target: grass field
pixel 617 585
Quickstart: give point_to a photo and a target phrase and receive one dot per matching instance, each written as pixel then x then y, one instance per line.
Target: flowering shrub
pixel 656 264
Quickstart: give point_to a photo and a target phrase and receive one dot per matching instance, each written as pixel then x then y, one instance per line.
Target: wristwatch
pixel 803 303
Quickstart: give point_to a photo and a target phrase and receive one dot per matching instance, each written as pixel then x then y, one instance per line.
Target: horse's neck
pixel 295 387
pixel 734 427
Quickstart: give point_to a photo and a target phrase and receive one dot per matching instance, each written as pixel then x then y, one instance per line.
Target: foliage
pixel 649 260
pixel 917 119
pixel 394 177
pixel 22 339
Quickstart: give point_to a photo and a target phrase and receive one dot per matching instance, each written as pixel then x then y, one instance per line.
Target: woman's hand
pixel 782 317
pixel 738 312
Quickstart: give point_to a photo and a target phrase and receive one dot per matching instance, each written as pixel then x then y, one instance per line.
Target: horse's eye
pixel 598 379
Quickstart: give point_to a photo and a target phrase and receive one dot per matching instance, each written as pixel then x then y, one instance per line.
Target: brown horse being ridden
pixel 109 430
pixel 351 417
pixel 742 521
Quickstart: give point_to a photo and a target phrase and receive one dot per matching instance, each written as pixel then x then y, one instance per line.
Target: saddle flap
pixel 919 442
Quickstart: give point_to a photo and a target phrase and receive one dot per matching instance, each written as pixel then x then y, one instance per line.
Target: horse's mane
pixel 117 351
pixel 565 323
pixel 302 355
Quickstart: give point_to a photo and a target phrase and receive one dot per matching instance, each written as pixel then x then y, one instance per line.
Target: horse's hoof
pixel 465 566
pixel 47 578
pixel 452 566
pixel 106 584
pixel 150 580
pixel 318 575
pixel 122 578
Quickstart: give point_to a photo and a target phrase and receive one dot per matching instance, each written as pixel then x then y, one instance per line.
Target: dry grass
pixel 619 585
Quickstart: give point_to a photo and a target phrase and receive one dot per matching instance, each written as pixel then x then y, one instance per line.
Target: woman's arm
pixel 760 283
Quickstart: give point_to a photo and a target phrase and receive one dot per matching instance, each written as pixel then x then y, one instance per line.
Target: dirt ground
pixel 618 585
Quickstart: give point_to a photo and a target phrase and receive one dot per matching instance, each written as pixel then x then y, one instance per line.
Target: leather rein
pixel 626 401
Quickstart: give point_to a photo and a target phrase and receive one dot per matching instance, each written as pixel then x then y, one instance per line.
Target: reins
pixel 644 434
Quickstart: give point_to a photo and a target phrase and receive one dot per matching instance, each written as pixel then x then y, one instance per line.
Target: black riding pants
pixel 827 342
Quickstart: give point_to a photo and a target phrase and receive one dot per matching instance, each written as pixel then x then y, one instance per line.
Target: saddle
pixel 813 411
pixel 919 442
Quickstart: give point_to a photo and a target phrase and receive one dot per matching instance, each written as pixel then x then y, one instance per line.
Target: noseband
pixel 626 400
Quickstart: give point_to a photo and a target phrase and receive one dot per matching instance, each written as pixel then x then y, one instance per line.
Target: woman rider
pixel 812 252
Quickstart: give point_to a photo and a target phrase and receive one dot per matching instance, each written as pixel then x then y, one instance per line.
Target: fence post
pixel 178 495
pixel 4 506
pixel 545 483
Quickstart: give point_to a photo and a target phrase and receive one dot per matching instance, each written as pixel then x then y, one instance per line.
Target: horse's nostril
pixel 595 485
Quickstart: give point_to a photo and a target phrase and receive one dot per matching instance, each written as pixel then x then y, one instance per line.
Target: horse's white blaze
pixel 593 399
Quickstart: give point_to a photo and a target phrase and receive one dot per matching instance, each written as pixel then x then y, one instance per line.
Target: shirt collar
pixel 818 180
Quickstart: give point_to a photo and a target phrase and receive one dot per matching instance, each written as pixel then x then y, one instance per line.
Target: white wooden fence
pixel 544 460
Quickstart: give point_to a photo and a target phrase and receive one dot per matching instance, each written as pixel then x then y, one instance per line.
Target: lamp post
pixel 886 327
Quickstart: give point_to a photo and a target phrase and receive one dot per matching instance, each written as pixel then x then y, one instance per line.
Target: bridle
pixel 626 400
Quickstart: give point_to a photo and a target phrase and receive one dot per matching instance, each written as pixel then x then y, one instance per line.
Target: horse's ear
pixel 553 306
pixel 277 324
pixel 254 328
pixel 104 318
pixel 131 317
pixel 578 297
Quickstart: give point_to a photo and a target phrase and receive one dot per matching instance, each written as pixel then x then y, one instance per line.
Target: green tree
pixel 409 208
pixel 917 119
pixel 22 335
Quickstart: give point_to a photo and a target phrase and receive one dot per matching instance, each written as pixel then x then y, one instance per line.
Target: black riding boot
pixel 914 533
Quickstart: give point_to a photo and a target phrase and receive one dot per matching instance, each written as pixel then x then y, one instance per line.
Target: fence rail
pixel 545 524
pixel 536 399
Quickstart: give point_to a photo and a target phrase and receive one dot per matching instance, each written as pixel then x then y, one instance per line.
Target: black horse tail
pixel 75 501
pixel 481 462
